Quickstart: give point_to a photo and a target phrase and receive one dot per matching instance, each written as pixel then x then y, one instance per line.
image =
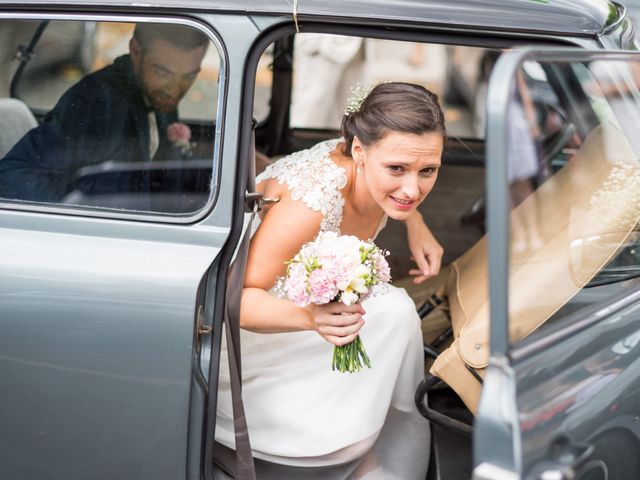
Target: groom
pixel 119 114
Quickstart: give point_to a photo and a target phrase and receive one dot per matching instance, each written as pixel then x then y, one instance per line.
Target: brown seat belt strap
pixel 245 468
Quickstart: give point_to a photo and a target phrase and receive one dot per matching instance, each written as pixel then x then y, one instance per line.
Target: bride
pixel 305 419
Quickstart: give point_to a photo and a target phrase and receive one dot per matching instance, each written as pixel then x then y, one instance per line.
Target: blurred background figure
pixel 326 67
pixel 523 167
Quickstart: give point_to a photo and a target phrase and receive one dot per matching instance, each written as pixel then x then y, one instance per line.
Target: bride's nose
pixel 410 186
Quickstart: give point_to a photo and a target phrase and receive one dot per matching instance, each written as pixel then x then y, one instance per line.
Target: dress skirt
pixel 304 417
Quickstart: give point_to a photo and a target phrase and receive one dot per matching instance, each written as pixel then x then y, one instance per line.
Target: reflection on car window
pixel 575 210
pixel 110 115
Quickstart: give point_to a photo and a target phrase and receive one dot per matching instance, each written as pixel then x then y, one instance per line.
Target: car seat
pixel 15 121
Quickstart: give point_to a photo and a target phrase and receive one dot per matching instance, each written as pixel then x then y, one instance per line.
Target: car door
pixel 107 298
pixel 560 398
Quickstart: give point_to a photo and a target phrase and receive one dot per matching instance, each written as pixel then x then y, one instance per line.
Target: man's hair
pixel 187 38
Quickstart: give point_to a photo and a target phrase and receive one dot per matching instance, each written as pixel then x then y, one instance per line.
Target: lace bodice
pixel 314 178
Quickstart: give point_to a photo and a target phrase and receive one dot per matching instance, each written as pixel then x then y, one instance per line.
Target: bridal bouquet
pixel 336 268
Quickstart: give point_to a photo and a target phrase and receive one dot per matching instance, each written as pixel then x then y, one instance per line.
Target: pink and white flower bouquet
pixel 336 268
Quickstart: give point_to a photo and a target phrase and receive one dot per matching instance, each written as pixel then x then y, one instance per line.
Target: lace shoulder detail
pixel 314 178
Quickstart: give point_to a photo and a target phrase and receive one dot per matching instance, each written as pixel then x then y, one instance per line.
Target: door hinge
pixel 202 329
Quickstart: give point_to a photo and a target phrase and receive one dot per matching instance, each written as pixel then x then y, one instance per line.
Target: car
pixel 113 294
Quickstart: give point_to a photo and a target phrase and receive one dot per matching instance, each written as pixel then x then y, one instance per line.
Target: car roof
pixel 577 17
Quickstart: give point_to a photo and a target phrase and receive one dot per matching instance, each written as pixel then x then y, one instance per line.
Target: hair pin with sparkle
pixel 358 94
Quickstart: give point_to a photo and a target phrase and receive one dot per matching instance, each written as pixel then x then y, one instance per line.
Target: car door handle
pixel 563 461
pixel 256 200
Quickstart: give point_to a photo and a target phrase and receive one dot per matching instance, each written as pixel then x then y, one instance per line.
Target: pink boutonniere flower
pixel 179 135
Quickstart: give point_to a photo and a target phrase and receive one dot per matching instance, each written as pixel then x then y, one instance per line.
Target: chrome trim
pixel 622 14
pixel 153 217
pixel 488 471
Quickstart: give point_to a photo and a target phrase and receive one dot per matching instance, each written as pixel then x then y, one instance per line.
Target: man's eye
pixel 396 168
pixel 427 172
pixel 161 72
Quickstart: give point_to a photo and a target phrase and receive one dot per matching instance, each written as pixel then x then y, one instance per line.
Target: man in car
pixel 120 113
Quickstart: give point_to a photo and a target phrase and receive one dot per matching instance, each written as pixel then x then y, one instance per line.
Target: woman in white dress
pixel 303 418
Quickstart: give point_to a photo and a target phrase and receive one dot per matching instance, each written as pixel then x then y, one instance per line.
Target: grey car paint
pixel 566 17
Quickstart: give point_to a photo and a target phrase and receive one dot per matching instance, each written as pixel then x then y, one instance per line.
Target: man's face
pixel 166 72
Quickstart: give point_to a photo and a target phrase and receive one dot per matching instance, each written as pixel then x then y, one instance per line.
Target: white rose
pixel 349 297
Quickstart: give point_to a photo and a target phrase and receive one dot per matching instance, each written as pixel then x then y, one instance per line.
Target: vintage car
pixel 113 292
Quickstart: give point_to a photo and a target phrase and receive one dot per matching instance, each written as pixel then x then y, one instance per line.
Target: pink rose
pixel 295 285
pixel 323 287
pixel 179 133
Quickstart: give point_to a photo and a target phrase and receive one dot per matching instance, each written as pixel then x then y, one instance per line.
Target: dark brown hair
pixel 187 38
pixel 393 107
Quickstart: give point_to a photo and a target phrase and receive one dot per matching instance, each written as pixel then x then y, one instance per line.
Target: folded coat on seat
pixel 585 212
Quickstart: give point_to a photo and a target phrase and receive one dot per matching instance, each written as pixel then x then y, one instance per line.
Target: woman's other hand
pixel 425 249
pixel 336 322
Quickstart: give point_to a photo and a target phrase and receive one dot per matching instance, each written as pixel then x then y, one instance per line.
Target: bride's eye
pixel 427 172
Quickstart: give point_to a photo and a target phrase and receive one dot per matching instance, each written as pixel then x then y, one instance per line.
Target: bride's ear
pixel 357 150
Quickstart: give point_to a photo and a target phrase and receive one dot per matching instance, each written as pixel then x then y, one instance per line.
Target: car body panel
pixel 567 16
pixel 104 344
pixel 582 388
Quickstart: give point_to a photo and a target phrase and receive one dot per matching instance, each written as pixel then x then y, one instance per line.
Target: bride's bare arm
pixel 286 226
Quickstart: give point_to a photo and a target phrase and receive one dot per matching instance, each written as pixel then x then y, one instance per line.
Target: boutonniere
pixel 179 135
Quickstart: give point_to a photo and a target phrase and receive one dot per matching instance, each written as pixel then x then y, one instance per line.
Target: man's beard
pixel 157 99
pixel 160 101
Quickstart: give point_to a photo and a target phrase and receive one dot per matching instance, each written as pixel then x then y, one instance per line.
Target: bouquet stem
pixel 350 358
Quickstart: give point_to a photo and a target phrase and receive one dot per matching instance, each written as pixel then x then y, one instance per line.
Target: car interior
pixel 573 132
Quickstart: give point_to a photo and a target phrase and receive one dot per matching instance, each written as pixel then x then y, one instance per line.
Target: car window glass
pixel 108 115
pixel 575 206
pixel 329 66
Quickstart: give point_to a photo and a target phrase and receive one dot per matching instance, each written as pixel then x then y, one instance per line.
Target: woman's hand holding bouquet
pixel 337 268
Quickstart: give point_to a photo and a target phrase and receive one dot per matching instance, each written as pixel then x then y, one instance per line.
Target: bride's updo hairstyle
pixel 393 107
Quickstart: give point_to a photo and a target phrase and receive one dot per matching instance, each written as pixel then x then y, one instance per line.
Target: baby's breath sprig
pixel 358 94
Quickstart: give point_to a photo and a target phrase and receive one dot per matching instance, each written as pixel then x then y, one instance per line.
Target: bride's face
pixel 399 170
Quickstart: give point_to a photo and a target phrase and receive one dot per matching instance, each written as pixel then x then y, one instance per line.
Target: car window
pixel 108 115
pixel 329 66
pixel 575 205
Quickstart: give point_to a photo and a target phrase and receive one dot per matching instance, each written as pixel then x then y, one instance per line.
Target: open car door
pixel 561 310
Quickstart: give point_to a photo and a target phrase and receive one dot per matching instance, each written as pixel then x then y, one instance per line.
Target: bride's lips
pixel 402 204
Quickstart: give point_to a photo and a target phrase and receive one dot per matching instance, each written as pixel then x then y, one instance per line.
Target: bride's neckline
pixel 343 163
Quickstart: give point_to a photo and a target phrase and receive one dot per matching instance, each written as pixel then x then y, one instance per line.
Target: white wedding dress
pixel 307 421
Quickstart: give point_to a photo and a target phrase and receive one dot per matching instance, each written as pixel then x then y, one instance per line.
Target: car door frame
pixel 278 28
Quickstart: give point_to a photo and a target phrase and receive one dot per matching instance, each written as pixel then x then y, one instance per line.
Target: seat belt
pixel 244 466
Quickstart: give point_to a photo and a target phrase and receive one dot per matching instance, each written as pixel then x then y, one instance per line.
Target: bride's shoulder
pixel 310 176
pixel 315 160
